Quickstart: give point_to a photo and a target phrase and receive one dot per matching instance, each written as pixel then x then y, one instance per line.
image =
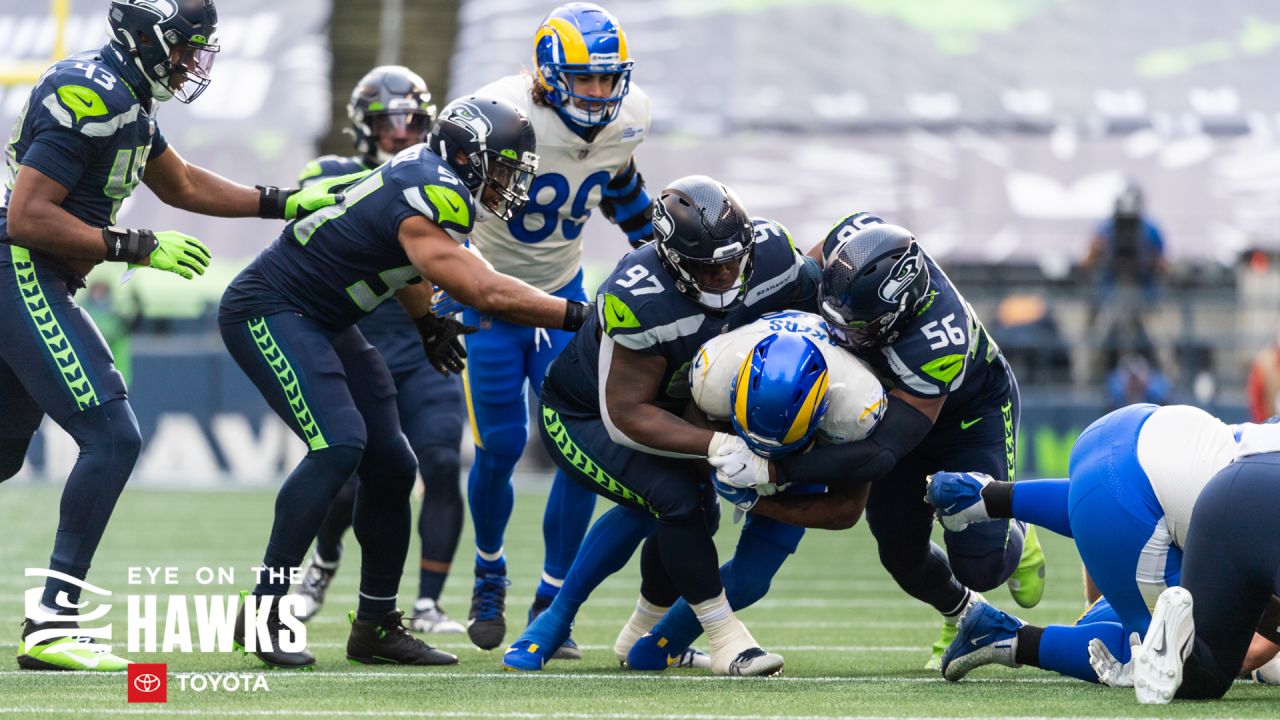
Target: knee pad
pixel 504 442
pixel 13 452
pixel 440 468
pixel 392 465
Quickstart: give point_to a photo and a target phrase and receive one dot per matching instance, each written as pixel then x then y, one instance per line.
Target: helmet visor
pixel 857 334
pixel 506 183
pixel 395 131
pixel 190 69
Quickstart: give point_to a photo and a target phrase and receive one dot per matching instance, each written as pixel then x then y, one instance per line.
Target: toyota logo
pixel 147 683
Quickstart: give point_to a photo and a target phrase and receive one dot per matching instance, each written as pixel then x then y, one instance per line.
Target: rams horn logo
pixel 904 272
pixel 469 118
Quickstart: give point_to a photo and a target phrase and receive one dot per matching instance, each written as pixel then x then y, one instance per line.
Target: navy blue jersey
pixel 338 264
pixel 639 308
pixel 86 128
pixel 388 327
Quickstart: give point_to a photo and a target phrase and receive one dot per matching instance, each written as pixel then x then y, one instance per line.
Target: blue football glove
pixel 443 304
pixel 743 499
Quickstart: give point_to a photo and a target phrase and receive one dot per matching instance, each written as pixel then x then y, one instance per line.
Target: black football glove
pixel 441 339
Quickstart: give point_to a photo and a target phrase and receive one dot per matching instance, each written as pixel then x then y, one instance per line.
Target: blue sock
pixel 1065 648
pixel 491 497
pixel 609 544
pixel 746 578
pixel 498 566
pixel 564 523
pixel 1043 503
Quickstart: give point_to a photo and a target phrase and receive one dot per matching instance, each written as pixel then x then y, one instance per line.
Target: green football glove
pixel 292 203
pixel 166 250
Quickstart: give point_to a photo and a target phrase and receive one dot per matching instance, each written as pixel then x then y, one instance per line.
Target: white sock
pixel 726 635
pixel 642 620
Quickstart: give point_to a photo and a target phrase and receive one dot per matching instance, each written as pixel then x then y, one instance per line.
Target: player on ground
pixel 1135 476
pixel 612 404
pixel 390 110
pixel 784 385
pixel 289 321
pixel 953 404
pixel 84 139
pixel 589 119
pixel 1200 632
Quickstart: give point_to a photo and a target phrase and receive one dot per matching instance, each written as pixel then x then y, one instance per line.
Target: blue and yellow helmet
pixel 780 394
pixel 581 39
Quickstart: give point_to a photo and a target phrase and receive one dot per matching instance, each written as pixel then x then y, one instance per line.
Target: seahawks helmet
pixel 699 224
pixel 581 39
pixel 873 284
pixel 172 42
pixel 490 144
pixel 389 98
pixel 780 394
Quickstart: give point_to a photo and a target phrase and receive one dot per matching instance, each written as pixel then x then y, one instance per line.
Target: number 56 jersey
pixel 543 244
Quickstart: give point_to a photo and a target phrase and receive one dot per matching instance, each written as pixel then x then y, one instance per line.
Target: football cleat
pixel 691 658
pixel 274 658
pixel 315 583
pixel 957 498
pixel 388 642
pixel 1268 674
pixel 985 636
pixel 1026 584
pixel 568 649
pixel 486 624
pixel 64 652
pixel 942 643
pixel 1157 663
pixel 755 662
pixel 652 652
pixel 526 656
pixel 429 617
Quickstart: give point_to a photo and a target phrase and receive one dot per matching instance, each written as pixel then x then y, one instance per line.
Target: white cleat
pixel 429 617
pixel 1157 663
pixel 692 658
pixel 752 662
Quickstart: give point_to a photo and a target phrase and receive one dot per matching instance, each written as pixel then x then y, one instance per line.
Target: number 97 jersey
pixel 543 244
pixel 855 398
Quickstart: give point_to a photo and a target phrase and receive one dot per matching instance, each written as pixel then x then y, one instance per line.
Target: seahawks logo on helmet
pixel 663 225
pixel 164 9
pixel 469 118
pixel 904 272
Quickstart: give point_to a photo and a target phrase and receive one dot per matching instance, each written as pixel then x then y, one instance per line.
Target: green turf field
pixel 854 644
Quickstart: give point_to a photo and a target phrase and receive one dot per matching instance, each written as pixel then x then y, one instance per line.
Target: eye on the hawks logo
pixel 468 117
pixel 904 271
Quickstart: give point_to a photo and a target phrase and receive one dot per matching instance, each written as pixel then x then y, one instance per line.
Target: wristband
pixel 575 315
pixel 271 201
pixel 129 245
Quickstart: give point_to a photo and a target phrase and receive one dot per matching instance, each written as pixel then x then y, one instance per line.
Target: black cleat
pixel 388 642
pixel 274 658
pixel 486 625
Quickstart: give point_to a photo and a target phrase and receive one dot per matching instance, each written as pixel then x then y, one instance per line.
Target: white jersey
pixel 855 398
pixel 571 176
pixel 1181 448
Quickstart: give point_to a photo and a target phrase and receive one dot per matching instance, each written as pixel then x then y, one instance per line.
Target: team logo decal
pixel 663 226
pixel 469 118
pixel 904 272
pixel 164 9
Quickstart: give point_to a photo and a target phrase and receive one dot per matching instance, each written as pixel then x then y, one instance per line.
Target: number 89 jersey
pixel 543 244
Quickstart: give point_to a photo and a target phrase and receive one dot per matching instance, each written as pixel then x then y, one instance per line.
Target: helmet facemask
pixel 505 188
pixel 687 272
pixel 583 109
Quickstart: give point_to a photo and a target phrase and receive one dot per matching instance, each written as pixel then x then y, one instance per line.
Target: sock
pixel 374 608
pixel 1026 645
pixel 547 590
pixel 491 563
pixel 1065 649
pixel 952 616
pixel 1042 503
pixel 564 524
pixel 642 620
pixel 726 635
pixel 431 584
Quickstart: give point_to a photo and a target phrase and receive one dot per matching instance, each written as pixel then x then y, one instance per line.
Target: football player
pixel 84 139
pixel 391 109
pixel 783 384
pixel 953 404
pixel 1135 476
pixel 289 321
pixel 612 409
pixel 589 119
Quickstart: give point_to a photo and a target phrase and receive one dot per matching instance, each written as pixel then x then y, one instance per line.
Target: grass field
pixel 854 643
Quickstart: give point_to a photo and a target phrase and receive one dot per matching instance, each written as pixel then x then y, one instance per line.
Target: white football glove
pixel 1111 671
pixel 740 467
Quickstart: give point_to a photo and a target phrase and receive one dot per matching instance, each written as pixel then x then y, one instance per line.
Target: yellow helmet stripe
pixel 810 406
pixel 623 54
pixel 743 382
pixel 571 41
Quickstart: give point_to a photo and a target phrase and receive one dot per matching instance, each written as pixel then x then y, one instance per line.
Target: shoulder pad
pixel 639 307
pixel 88 97
pixel 433 189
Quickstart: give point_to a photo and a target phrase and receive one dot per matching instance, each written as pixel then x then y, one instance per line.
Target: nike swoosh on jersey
pixel 966 424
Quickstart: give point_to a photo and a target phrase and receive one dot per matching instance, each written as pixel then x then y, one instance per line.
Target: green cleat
pixel 1026 584
pixel 940 645
pixel 64 652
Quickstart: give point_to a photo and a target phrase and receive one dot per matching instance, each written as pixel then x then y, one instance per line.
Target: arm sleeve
pixel 901 430
pixel 627 204
pixel 158 145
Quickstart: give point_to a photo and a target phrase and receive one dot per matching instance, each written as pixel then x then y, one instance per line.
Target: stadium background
pixel 1000 131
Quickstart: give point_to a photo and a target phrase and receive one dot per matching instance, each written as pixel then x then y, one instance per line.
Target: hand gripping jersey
pixel 543 244
pixel 339 263
pixel 855 399
pixel 83 127
pixel 639 308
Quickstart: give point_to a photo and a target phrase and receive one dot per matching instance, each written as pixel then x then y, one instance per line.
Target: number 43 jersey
pixel 543 244
pixel 338 264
